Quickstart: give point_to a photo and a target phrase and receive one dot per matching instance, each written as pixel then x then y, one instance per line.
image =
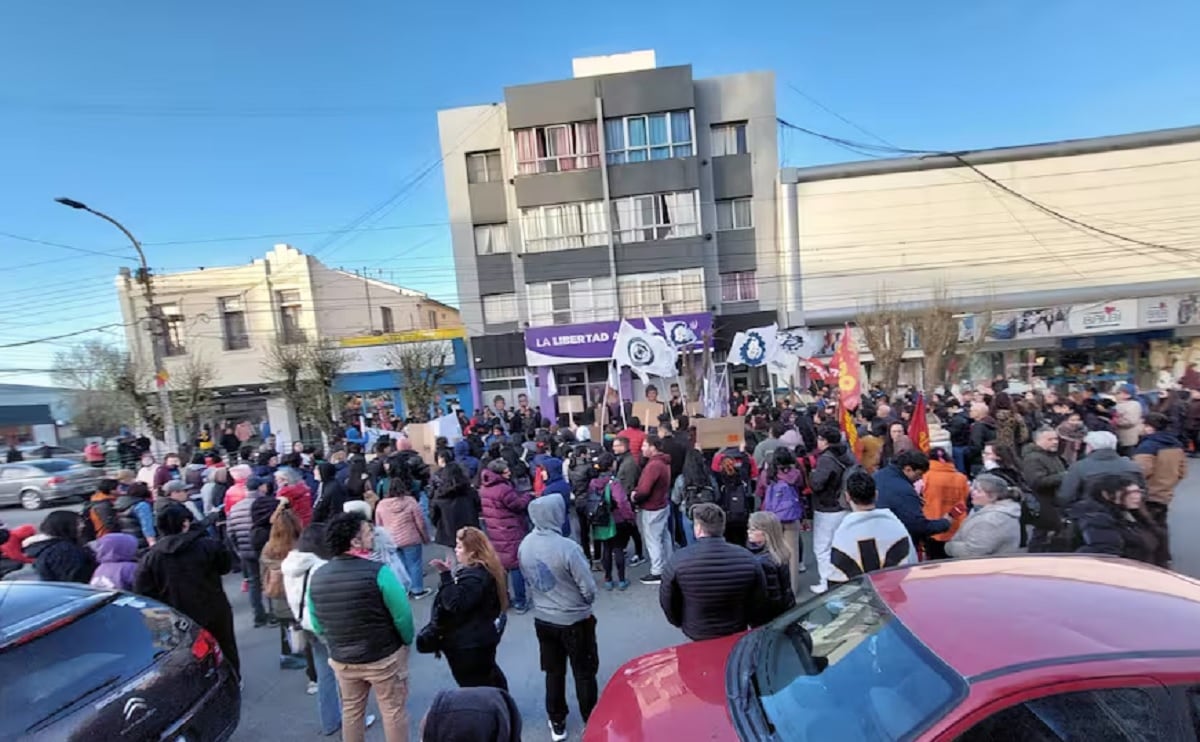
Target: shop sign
pixel 1158 311
pixel 593 341
pixel 368 358
pixel 1104 316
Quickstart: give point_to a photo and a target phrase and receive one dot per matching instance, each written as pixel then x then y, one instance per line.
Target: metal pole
pixel 158 325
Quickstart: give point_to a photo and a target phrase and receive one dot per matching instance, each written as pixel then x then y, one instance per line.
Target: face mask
pixel 989 465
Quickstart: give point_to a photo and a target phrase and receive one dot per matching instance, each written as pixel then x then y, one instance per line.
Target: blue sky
pixel 203 124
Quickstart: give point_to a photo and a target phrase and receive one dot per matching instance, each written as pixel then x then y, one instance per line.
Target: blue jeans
pixel 960 458
pixel 250 568
pixel 329 701
pixel 688 534
pixel 516 581
pixel 410 556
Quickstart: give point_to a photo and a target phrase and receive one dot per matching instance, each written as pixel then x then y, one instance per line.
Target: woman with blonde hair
pixel 285 531
pixel 764 539
pixel 470 602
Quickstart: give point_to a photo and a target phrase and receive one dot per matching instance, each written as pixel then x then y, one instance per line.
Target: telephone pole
pixel 158 324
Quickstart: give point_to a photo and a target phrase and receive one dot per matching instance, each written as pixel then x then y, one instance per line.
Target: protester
pixel 455 505
pixel 116 554
pixel 239 527
pixel 505 513
pixel 238 490
pixel 399 513
pixel 635 437
pixel 611 519
pixel 651 496
pixel 100 513
pixel 779 488
pixel 712 588
pixel 135 514
pixel 331 494
pixel 563 590
pixel 183 569
pixel 216 485
pixel 1127 418
pixel 470 601
pixel 289 485
pixel 994 525
pixel 867 538
pixel 1110 520
pixel 285 531
pixel 1102 458
pixel 896 443
pixel 472 715
pixel 945 487
pixel 1164 465
pixel 826 481
pixel 895 491
pixel 57 552
pixel 175 492
pixel 361 611
pixel 767 541
pixel 735 474
pixel 694 485
pixel 169 472
pixel 12 557
pixel 628 469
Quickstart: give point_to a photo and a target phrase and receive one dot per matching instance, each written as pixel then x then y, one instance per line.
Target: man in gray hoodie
pixel 562 589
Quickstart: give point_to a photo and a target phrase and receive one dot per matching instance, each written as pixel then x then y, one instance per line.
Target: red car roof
pixel 982 615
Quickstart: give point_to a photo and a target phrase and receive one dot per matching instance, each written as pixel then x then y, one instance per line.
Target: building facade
pixel 628 191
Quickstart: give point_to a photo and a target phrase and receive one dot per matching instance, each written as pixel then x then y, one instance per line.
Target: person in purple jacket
pixel 779 490
pixel 117 555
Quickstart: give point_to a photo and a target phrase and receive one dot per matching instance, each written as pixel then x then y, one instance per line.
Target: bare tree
pixel 694 367
pixel 883 326
pixel 108 390
pixel 419 368
pixel 191 392
pixel 305 373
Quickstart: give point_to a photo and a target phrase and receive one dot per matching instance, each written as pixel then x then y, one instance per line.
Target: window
pixel 658 136
pixel 432 319
pixel 734 213
pixel 484 167
pixel 233 323
pixel 289 316
pixel 564 226
pixel 662 294
pixel 558 148
pixel 389 322
pixel 570 302
pixel 729 139
pixel 505 382
pixel 491 239
pixel 173 325
pixel 1109 713
pixel 500 308
pixel 739 286
pixel 658 216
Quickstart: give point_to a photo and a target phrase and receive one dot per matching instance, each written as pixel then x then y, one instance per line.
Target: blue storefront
pixel 373 387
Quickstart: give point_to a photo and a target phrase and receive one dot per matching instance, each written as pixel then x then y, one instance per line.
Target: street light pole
pixel 158 323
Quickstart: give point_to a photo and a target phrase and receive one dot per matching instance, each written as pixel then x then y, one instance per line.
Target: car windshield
pixel 842 667
pixel 52 465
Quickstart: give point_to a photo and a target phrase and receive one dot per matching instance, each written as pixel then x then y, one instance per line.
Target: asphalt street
pixel 629 624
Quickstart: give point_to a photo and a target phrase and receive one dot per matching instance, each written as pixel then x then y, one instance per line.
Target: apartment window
pixel 739 286
pixel 491 239
pixel 662 294
pixel 659 216
pixel 570 302
pixel 386 318
pixel 289 316
pixel 233 323
pixel 558 148
pixel 500 308
pixel 484 167
pixel 657 136
pixel 432 319
pixel 729 139
pixel 564 226
pixel 735 213
pixel 173 338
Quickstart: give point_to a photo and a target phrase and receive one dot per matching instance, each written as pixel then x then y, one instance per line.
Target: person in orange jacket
pixel 945 487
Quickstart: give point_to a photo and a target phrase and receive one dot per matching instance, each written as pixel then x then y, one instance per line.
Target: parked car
pixel 34 483
pixel 45 451
pixel 1030 648
pixel 82 663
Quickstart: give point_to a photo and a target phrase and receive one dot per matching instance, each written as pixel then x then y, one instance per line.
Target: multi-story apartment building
pixel 628 191
pixel 229 317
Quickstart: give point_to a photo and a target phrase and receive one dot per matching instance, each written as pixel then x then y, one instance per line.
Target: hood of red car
pixel 671 694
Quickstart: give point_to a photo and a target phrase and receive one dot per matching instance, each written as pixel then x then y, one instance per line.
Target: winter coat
pixel 628 471
pixel 622 510
pixel 117 555
pixel 330 498
pixel 827 477
pixel 945 487
pixel 163 475
pixel 235 494
pixel 468 604
pixel 504 514
pixel 894 492
pixel 779 596
pixel 261 510
pixel 134 515
pixel 239 525
pixel 555 568
pixel 450 510
pixel 713 588
pixel 866 541
pixel 653 489
pixel 403 519
pixel 1075 483
pixel 101 512
pixel 473 714
pixel 1164 464
pixel 463 457
pixel 60 560
pixel 990 530
pixel 556 484
pixel 1106 528
pixel 212 495
pixel 869 450
pixel 1010 430
pixel 298 568
pixel 793 476
pixel 300 500
pixel 983 432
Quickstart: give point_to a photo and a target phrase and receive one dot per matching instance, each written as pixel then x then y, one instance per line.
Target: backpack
pixel 736 497
pixel 598 507
pixel 783 500
pixel 693 495
pixel 88 530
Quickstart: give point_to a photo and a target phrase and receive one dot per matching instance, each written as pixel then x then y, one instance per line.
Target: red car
pixel 1022 648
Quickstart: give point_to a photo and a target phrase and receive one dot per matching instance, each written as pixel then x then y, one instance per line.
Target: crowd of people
pixel 521 514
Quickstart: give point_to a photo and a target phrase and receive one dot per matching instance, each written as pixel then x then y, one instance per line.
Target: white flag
pixel 680 334
pixel 614 376
pixel 646 353
pixel 551 384
pixel 754 347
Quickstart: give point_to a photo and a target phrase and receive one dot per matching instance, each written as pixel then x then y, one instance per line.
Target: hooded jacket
pixel 869 540
pixel 504 515
pixel 402 518
pixel 556 571
pixel 945 487
pixel 299 498
pixel 896 493
pixel 557 484
pixel 117 554
pixel 1105 461
pixel 827 477
pixel 622 511
pixel 60 560
pixel 713 588
pixel 462 456
pixel 331 496
pixel 1164 464
pixel 297 569
pixel 473 715
pixel 653 489
pixel 452 509
pixel 990 530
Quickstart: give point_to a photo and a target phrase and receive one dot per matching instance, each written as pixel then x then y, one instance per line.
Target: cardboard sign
pixel 719 432
pixel 423 436
pixel 648 412
pixel 571 404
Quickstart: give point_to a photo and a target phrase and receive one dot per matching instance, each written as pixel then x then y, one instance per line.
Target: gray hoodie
pixel 992 529
pixel 556 572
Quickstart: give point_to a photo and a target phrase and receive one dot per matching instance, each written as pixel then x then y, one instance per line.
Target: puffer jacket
pixel 945 487
pixel 237 491
pixel 468 604
pixel 827 477
pixel 59 560
pixel 1164 464
pixel 992 529
pixel 780 597
pixel 504 515
pixel 713 588
pixel 240 524
pixel 298 568
pixel 300 499
pixel 402 518
pixel 1075 483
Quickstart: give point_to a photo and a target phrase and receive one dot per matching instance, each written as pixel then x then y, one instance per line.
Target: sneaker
pixel 291 662
pixel 608 585
pixel 803 569
pixel 245 586
pixel 596 567
pixel 558 732
pixel 818 588
pixel 623 585
pixel 422 594
pixel 369 720
pixel 519 609
pixel 312 688
pixel 260 622
pixel 651 579
pixel 635 560
pixel 272 621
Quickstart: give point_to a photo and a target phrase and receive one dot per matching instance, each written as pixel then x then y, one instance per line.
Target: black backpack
pixel 736 495
pixel 693 495
pixel 597 508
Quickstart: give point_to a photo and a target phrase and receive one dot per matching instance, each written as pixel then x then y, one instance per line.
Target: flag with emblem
pixel 918 426
pixel 643 351
pixel 754 347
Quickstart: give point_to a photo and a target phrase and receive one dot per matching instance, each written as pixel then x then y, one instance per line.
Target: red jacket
pixel 653 489
pixel 636 438
pixel 11 549
pixel 297 494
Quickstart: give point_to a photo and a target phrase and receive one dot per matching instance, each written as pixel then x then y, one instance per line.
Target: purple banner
pixel 593 341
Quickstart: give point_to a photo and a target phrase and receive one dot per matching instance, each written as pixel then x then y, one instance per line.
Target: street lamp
pixel 157 322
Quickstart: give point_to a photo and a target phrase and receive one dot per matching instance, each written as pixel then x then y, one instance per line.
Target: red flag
pixel 849 371
pixel 918 427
